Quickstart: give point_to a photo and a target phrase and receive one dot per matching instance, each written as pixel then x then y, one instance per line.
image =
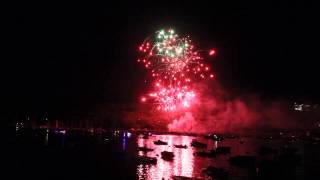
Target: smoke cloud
pixel 217 111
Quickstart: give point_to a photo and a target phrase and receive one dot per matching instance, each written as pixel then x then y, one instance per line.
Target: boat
pixel 181 178
pixel 146 135
pixel 166 155
pixel 186 178
pixel 159 142
pixel 223 150
pixel 208 154
pixel 181 146
pixel 215 137
pixel 146 160
pixel 198 144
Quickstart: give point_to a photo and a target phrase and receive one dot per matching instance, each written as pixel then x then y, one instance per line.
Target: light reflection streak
pixel 182 165
pixel 47 138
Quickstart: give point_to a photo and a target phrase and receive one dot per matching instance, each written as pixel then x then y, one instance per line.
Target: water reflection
pixel 182 165
pixel 118 150
pixel 185 163
pixel 123 141
pixel 46 142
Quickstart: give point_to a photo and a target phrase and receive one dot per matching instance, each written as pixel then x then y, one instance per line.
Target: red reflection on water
pixel 188 165
pixel 182 165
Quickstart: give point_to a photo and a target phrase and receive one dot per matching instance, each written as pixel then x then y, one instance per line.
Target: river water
pixel 82 155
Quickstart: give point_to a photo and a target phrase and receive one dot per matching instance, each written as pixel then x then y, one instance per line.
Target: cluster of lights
pixel 172 98
pixel 174 65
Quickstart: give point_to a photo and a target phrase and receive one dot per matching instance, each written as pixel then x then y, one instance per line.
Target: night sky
pixel 71 57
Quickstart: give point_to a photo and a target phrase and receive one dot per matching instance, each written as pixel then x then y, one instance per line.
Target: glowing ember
pixel 143 99
pixel 212 52
pixel 175 65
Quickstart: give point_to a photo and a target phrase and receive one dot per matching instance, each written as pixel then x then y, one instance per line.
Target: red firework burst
pixel 175 66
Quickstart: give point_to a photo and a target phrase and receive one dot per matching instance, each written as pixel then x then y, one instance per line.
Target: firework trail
pixel 175 66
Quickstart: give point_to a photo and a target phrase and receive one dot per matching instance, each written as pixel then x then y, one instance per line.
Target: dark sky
pixel 62 57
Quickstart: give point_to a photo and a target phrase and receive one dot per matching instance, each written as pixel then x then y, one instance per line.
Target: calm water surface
pixel 185 163
pixel 91 156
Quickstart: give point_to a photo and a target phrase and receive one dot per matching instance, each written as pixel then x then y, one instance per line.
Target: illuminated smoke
pixel 217 111
pixel 183 101
pixel 186 123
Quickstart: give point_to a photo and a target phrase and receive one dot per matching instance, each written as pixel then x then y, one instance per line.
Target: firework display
pixel 175 66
